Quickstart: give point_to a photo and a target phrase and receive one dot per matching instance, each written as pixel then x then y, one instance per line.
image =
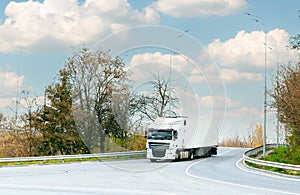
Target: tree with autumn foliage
pixel 255 135
pixel 95 76
pixel 286 97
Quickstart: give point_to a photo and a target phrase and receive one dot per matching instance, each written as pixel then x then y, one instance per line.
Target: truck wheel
pixel 208 154
pixel 191 155
pixel 214 151
pixel 153 160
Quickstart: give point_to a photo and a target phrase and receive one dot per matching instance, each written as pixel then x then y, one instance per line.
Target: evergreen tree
pixel 60 135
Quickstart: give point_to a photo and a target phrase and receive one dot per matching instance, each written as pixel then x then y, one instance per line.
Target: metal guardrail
pixel 64 157
pixel 254 151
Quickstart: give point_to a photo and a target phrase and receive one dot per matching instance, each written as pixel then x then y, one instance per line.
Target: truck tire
pixel 191 157
pixel 152 160
pixel 177 158
pixel 208 154
pixel 214 151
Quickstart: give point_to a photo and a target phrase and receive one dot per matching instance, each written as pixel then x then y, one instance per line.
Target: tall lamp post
pixel 277 114
pixel 260 20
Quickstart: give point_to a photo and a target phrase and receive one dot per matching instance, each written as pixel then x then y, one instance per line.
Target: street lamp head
pixel 257 19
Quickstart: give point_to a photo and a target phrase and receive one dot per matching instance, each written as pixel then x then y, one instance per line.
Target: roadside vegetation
pixel 286 95
pixel 281 154
pixel 254 138
pixel 284 155
pixel 274 169
pixel 88 108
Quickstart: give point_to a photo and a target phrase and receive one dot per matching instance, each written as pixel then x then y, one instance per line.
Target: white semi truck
pixel 174 138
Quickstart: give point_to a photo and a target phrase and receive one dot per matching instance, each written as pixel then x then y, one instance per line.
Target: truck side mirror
pixel 175 134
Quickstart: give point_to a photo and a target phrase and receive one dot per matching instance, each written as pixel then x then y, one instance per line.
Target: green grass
pixel 37 162
pixel 273 169
pixel 282 155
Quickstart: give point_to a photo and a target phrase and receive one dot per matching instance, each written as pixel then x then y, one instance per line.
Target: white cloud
pixel 217 102
pixel 226 75
pixel 195 8
pixel 231 75
pixel 210 102
pixel 244 111
pixel 8 83
pixel 240 58
pixel 243 57
pixel 152 63
pixel 30 102
pixel 6 102
pixel 8 105
pixel 178 62
pixel 64 23
pixel 182 64
pixel 247 49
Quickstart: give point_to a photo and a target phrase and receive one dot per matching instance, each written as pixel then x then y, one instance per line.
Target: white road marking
pixel 229 183
pixel 60 189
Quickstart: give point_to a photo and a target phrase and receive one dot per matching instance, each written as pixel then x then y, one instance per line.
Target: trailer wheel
pixel 214 150
pixel 208 154
pixel 191 155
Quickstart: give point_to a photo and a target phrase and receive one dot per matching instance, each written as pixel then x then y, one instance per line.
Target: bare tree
pixel 295 42
pixel 161 101
pixel 28 120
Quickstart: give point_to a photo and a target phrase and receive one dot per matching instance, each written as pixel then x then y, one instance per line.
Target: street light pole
pixel 260 20
pixel 277 114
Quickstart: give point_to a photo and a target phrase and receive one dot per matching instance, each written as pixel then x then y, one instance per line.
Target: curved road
pixel 216 175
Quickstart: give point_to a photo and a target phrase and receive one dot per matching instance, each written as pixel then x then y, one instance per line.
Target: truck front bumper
pixel 166 154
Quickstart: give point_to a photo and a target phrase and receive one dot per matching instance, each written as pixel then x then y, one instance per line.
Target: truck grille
pixel 159 149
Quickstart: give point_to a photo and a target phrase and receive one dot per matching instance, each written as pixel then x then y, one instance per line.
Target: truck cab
pixel 165 137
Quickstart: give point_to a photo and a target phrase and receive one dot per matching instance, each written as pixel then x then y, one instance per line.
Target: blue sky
pixel 36 38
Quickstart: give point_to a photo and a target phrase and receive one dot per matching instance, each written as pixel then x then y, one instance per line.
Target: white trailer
pixel 174 138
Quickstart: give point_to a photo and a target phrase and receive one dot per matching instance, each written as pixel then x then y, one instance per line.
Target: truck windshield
pixel 160 134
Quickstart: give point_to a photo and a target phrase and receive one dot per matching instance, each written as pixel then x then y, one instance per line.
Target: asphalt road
pixel 216 175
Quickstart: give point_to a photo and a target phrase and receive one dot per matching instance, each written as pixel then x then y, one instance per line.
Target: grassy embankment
pixel 282 155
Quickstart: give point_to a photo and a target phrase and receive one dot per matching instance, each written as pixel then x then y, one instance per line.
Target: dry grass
pixel 254 139
pixel 17 144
